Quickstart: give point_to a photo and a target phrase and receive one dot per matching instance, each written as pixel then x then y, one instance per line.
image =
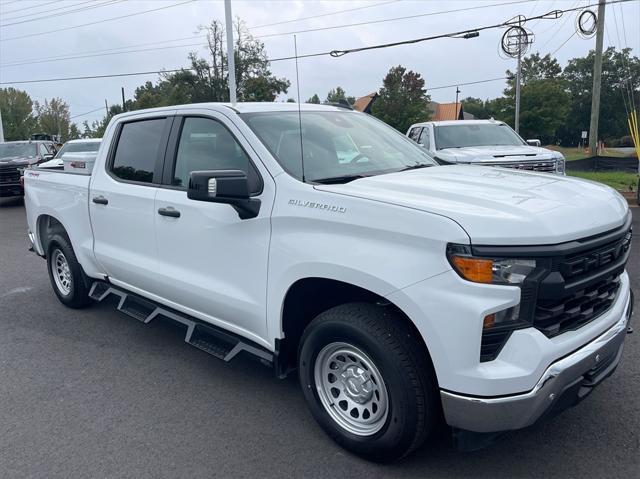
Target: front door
pixel 213 264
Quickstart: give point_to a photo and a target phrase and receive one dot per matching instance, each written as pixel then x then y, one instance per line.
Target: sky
pixel 173 26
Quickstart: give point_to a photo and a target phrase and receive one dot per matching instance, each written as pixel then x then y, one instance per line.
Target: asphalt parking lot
pixel 95 393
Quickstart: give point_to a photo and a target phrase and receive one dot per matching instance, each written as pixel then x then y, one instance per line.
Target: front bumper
pixel 10 190
pixel 563 384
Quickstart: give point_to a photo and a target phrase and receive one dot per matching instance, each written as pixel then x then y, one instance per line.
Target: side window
pixel 424 138
pixel 137 150
pixel 205 144
pixel 415 133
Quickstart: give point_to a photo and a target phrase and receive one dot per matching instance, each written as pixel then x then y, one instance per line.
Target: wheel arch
pixel 307 297
pixel 47 227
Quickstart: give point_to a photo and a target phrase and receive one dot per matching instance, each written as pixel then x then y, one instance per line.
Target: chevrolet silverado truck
pixel 485 143
pixel 320 240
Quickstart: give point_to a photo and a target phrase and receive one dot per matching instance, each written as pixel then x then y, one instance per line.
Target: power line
pixel 83 9
pixel 28 8
pixel 334 53
pixel 384 20
pixel 468 83
pixel 324 14
pixel 32 14
pixel 86 113
pixel 100 53
pixel 564 43
pixel 98 21
pixel 554 15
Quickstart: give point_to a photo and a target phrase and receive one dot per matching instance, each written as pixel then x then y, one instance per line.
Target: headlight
pixel 560 165
pixel 488 270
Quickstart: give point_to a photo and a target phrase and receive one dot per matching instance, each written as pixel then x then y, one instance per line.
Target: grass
pixel 572 153
pixel 619 180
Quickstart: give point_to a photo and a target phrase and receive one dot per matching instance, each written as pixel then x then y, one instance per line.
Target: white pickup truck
pixel 323 241
pixel 484 143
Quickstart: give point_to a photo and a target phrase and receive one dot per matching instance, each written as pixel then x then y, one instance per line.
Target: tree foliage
pixel 18 116
pixel 314 99
pixel 337 95
pixel 54 118
pixel 403 99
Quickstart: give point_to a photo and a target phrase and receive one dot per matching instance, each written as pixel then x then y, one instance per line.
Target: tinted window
pixel 88 146
pixel 206 144
pixel 137 151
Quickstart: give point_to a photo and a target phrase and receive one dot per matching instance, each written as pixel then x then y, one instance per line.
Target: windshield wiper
pixel 417 166
pixel 333 180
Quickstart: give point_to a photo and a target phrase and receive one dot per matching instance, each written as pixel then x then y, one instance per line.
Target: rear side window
pixel 139 145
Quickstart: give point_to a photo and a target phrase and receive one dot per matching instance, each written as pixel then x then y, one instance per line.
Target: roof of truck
pixel 85 140
pixel 459 122
pixel 248 107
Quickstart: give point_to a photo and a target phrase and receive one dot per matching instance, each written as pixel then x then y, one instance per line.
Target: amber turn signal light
pixel 474 269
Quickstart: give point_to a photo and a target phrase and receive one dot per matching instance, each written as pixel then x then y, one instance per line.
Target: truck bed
pixel 64 196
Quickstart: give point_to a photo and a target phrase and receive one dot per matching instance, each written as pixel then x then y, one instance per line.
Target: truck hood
pixel 495 153
pixel 16 161
pixel 497 206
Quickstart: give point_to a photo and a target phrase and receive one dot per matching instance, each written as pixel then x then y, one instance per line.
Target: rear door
pixel 212 263
pixel 121 202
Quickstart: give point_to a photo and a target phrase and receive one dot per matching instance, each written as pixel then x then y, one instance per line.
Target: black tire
pixel 76 294
pixel 413 405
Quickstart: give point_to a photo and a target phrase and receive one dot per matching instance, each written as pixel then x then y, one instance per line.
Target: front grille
pixel 581 286
pixel 9 175
pixel 543 166
pixel 572 312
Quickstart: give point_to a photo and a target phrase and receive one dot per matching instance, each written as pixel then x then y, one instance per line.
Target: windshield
pixel 80 147
pixel 338 146
pixel 23 150
pixel 461 136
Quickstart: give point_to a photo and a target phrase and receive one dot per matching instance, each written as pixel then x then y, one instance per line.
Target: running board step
pixel 208 338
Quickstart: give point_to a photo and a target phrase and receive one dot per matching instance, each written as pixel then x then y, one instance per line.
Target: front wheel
pixel 69 281
pixel 368 381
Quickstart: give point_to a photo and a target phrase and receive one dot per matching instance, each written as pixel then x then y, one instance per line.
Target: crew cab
pixel 320 240
pixel 486 143
pixel 15 157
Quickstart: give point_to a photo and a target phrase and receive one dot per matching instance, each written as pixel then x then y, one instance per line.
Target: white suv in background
pixel 484 142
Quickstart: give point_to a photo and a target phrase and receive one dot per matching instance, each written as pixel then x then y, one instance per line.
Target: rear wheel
pixel 368 381
pixel 69 281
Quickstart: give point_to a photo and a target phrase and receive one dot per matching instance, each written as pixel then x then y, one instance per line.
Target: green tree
pixel 620 81
pixel 336 95
pixel 476 106
pixel 53 118
pixel 314 99
pixel 18 117
pixel 403 99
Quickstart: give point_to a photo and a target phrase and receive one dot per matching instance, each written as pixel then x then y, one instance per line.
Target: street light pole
pixel 230 56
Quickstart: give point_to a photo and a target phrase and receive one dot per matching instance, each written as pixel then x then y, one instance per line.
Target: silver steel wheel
pixel 61 272
pixel 351 389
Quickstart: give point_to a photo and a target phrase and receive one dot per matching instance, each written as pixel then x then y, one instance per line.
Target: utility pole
pixel 457 93
pixel 123 104
pixel 1 129
pixel 230 56
pixel 106 107
pixel 597 77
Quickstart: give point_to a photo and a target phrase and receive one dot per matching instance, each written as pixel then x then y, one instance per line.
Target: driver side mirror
pixel 47 157
pixel 534 143
pixel 224 186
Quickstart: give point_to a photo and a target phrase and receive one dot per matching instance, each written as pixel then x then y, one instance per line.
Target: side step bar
pixel 211 339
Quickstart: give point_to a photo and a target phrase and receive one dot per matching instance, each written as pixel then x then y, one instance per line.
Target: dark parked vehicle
pixel 15 157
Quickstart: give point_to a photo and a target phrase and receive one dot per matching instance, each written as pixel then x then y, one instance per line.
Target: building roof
pixel 447 111
pixel 364 103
